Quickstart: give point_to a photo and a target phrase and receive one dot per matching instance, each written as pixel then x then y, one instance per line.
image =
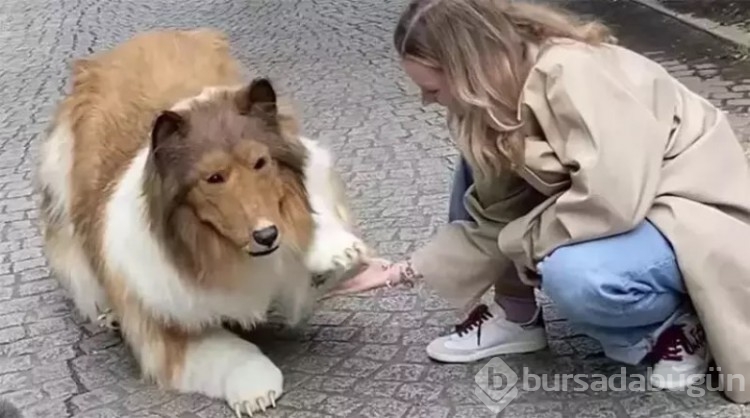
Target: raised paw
pixel 351 256
pixel 335 250
pixel 251 407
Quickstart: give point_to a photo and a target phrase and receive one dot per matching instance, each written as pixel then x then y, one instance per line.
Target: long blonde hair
pixel 481 46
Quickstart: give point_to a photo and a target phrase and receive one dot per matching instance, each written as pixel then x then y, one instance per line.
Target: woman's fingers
pixel 375 275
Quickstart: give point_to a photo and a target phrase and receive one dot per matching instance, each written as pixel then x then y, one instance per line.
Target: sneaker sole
pixel 676 384
pixel 510 348
pixel 688 378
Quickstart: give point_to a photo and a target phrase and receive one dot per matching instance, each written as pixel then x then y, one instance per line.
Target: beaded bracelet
pixel 406 275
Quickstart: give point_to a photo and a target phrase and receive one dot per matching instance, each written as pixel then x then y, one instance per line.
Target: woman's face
pixel 431 82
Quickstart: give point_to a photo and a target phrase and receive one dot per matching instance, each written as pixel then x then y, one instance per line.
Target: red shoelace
pixel 668 345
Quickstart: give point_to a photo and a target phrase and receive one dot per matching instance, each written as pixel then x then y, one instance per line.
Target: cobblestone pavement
pixel 357 356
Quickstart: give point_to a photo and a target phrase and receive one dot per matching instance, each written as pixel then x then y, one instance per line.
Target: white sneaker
pixel 486 333
pixel 681 355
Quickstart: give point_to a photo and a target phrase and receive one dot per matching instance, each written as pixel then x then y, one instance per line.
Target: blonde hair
pixel 482 48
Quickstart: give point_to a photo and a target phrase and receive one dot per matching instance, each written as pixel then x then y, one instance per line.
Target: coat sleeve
pixel 463 259
pixel 610 134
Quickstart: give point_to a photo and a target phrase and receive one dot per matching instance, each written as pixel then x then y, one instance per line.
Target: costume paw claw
pixel 336 249
pixel 350 257
pixel 254 386
pixel 107 319
pixel 258 404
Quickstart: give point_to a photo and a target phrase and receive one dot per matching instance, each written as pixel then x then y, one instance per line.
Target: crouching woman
pixel 587 172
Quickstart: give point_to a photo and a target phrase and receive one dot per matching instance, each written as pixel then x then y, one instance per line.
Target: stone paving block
pixel 357 356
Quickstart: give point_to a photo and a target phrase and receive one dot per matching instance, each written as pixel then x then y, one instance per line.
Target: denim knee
pixel 574 287
pixel 597 283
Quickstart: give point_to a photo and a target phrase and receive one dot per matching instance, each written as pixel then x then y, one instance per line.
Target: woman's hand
pixel 378 273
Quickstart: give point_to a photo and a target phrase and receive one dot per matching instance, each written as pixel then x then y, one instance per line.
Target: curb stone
pixel 732 33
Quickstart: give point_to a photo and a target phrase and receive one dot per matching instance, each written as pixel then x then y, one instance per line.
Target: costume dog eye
pixel 260 163
pixel 215 178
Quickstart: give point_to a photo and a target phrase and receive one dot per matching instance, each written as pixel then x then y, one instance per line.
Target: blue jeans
pixel 622 290
pixel 462 180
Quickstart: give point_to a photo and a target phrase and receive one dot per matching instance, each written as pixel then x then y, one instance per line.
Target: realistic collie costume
pixel 177 196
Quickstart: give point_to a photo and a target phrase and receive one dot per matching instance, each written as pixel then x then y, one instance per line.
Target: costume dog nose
pixel 266 236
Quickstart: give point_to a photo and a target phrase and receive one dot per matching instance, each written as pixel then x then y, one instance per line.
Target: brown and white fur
pixel 176 196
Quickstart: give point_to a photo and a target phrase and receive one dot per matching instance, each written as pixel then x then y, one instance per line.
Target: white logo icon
pixel 496 385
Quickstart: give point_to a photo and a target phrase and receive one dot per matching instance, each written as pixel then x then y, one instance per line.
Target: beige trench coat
pixel 619 140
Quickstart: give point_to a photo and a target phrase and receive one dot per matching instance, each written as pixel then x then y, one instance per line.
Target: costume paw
pixel 254 387
pixel 252 407
pixel 107 319
pixel 335 249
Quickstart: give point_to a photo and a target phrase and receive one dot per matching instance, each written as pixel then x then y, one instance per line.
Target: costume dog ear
pixel 169 128
pixel 257 99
